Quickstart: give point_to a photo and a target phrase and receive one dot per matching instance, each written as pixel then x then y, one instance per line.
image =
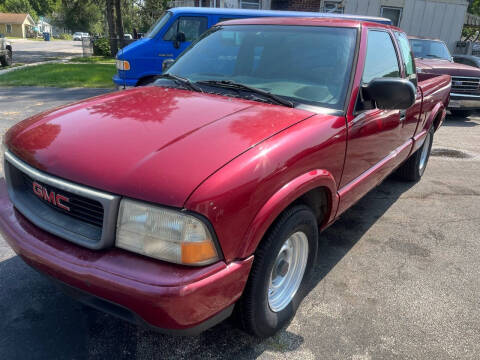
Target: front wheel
pixel 414 167
pixel 280 272
pixel 462 113
pixel 7 59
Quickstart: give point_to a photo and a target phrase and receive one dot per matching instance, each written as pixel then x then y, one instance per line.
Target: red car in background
pixel 177 203
pixel 432 56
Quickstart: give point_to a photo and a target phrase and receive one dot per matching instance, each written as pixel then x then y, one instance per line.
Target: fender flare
pixel 438 108
pixel 280 200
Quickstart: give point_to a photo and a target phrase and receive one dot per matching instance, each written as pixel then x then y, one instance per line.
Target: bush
pixel 101 47
pixel 64 37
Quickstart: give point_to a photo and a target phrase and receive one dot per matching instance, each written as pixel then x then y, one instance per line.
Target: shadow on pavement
pixel 457 121
pixel 44 95
pixel 40 322
pixel 28 57
pixel 339 238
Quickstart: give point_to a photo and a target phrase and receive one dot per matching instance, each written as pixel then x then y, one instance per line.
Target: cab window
pixel 407 57
pixel 381 59
pixel 191 26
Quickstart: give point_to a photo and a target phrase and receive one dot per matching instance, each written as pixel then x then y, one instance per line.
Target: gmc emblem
pixel 54 199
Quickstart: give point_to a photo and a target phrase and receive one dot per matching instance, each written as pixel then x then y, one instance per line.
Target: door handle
pixel 403 115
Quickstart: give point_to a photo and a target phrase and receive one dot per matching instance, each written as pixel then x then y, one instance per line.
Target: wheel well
pixel 436 121
pixel 319 200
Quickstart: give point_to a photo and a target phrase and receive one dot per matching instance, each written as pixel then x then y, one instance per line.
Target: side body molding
pixel 285 196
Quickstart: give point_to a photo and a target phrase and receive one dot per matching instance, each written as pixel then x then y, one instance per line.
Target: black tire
pixel 411 170
pixel 254 311
pixel 7 59
pixel 462 113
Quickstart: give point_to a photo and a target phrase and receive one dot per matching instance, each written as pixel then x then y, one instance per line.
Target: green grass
pixel 62 75
pixel 93 60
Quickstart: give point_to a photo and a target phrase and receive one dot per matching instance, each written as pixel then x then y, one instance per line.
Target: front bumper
pixel 120 82
pixel 172 298
pixel 464 101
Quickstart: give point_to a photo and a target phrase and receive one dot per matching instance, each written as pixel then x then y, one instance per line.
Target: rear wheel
pixel 7 59
pixel 462 113
pixel 280 272
pixel 414 167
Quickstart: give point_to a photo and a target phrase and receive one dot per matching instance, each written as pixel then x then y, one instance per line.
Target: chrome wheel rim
pixel 424 154
pixel 287 272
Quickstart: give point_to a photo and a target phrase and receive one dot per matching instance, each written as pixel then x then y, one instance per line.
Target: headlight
pixel 164 234
pixel 122 64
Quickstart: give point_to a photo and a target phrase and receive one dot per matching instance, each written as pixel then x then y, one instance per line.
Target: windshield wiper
pixel 238 86
pixel 181 80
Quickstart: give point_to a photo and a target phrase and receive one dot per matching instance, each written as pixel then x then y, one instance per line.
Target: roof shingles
pixel 10 18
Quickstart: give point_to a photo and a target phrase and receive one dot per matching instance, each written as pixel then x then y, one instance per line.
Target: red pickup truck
pixel 432 56
pixel 177 203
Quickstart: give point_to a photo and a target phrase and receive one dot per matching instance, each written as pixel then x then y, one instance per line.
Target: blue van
pixel 140 61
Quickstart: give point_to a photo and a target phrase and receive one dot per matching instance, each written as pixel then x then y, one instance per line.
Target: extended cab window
pixel 407 57
pixel 191 26
pixel 381 59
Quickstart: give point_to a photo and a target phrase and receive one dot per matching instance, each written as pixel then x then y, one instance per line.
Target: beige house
pixel 16 25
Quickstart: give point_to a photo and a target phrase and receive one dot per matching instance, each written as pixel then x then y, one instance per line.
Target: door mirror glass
pixel 179 38
pixel 390 93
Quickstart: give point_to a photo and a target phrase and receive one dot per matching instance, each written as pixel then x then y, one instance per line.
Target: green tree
pixel 44 7
pixel 18 6
pixel 78 15
pixel 474 7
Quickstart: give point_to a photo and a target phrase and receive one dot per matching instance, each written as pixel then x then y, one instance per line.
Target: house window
pixel 333 7
pixel 250 4
pixel 392 13
pixel 9 29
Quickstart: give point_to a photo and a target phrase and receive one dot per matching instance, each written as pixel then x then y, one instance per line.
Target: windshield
pixel 430 49
pixel 304 64
pixel 158 25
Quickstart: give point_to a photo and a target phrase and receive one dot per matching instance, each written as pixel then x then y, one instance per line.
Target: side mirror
pixel 178 40
pixel 166 64
pixel 391 93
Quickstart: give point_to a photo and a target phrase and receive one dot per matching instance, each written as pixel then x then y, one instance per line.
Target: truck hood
pixel 446 67
pixel 151 143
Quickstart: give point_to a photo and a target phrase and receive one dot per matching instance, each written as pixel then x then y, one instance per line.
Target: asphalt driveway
pixel 397 277
pixel 29 51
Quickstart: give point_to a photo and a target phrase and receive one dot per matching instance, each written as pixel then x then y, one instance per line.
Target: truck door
pixel 190 26
pixel 373 134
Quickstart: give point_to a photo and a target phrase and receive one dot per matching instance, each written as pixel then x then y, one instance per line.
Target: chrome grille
pixel 82 208
pixel 465 85
pixel 92 215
